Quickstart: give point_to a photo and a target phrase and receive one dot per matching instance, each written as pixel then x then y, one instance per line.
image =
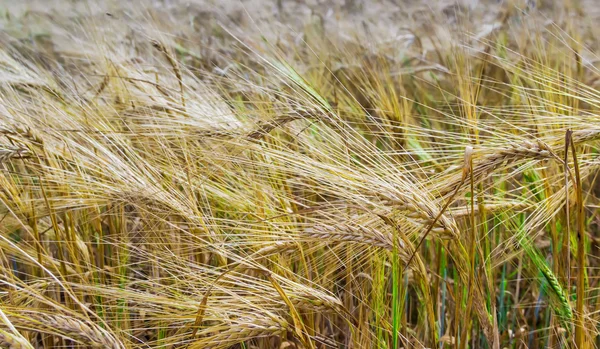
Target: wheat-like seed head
pixel 352 233
pixel 582 136
pixel 79 330
pixel 424 215
pixel 22 131
pixel 11 341
pixel 276 247
pixel 525 150
pixel 240 330
pixel 8 153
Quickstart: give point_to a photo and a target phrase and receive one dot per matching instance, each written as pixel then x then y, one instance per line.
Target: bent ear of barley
pixel 354 233
pixel 582 136
pixel 69 327
pixel 525 150
pixel 241 330
pixel 176 70
pixel 12 341
pixel 9 153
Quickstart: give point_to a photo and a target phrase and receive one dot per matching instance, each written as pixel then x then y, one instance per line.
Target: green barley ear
pixel 289 72
pixel 559 301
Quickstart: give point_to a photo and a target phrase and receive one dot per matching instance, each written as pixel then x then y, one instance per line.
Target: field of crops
pixel 299 174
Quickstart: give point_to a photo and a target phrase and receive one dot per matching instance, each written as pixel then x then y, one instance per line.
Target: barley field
pixel 300 174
